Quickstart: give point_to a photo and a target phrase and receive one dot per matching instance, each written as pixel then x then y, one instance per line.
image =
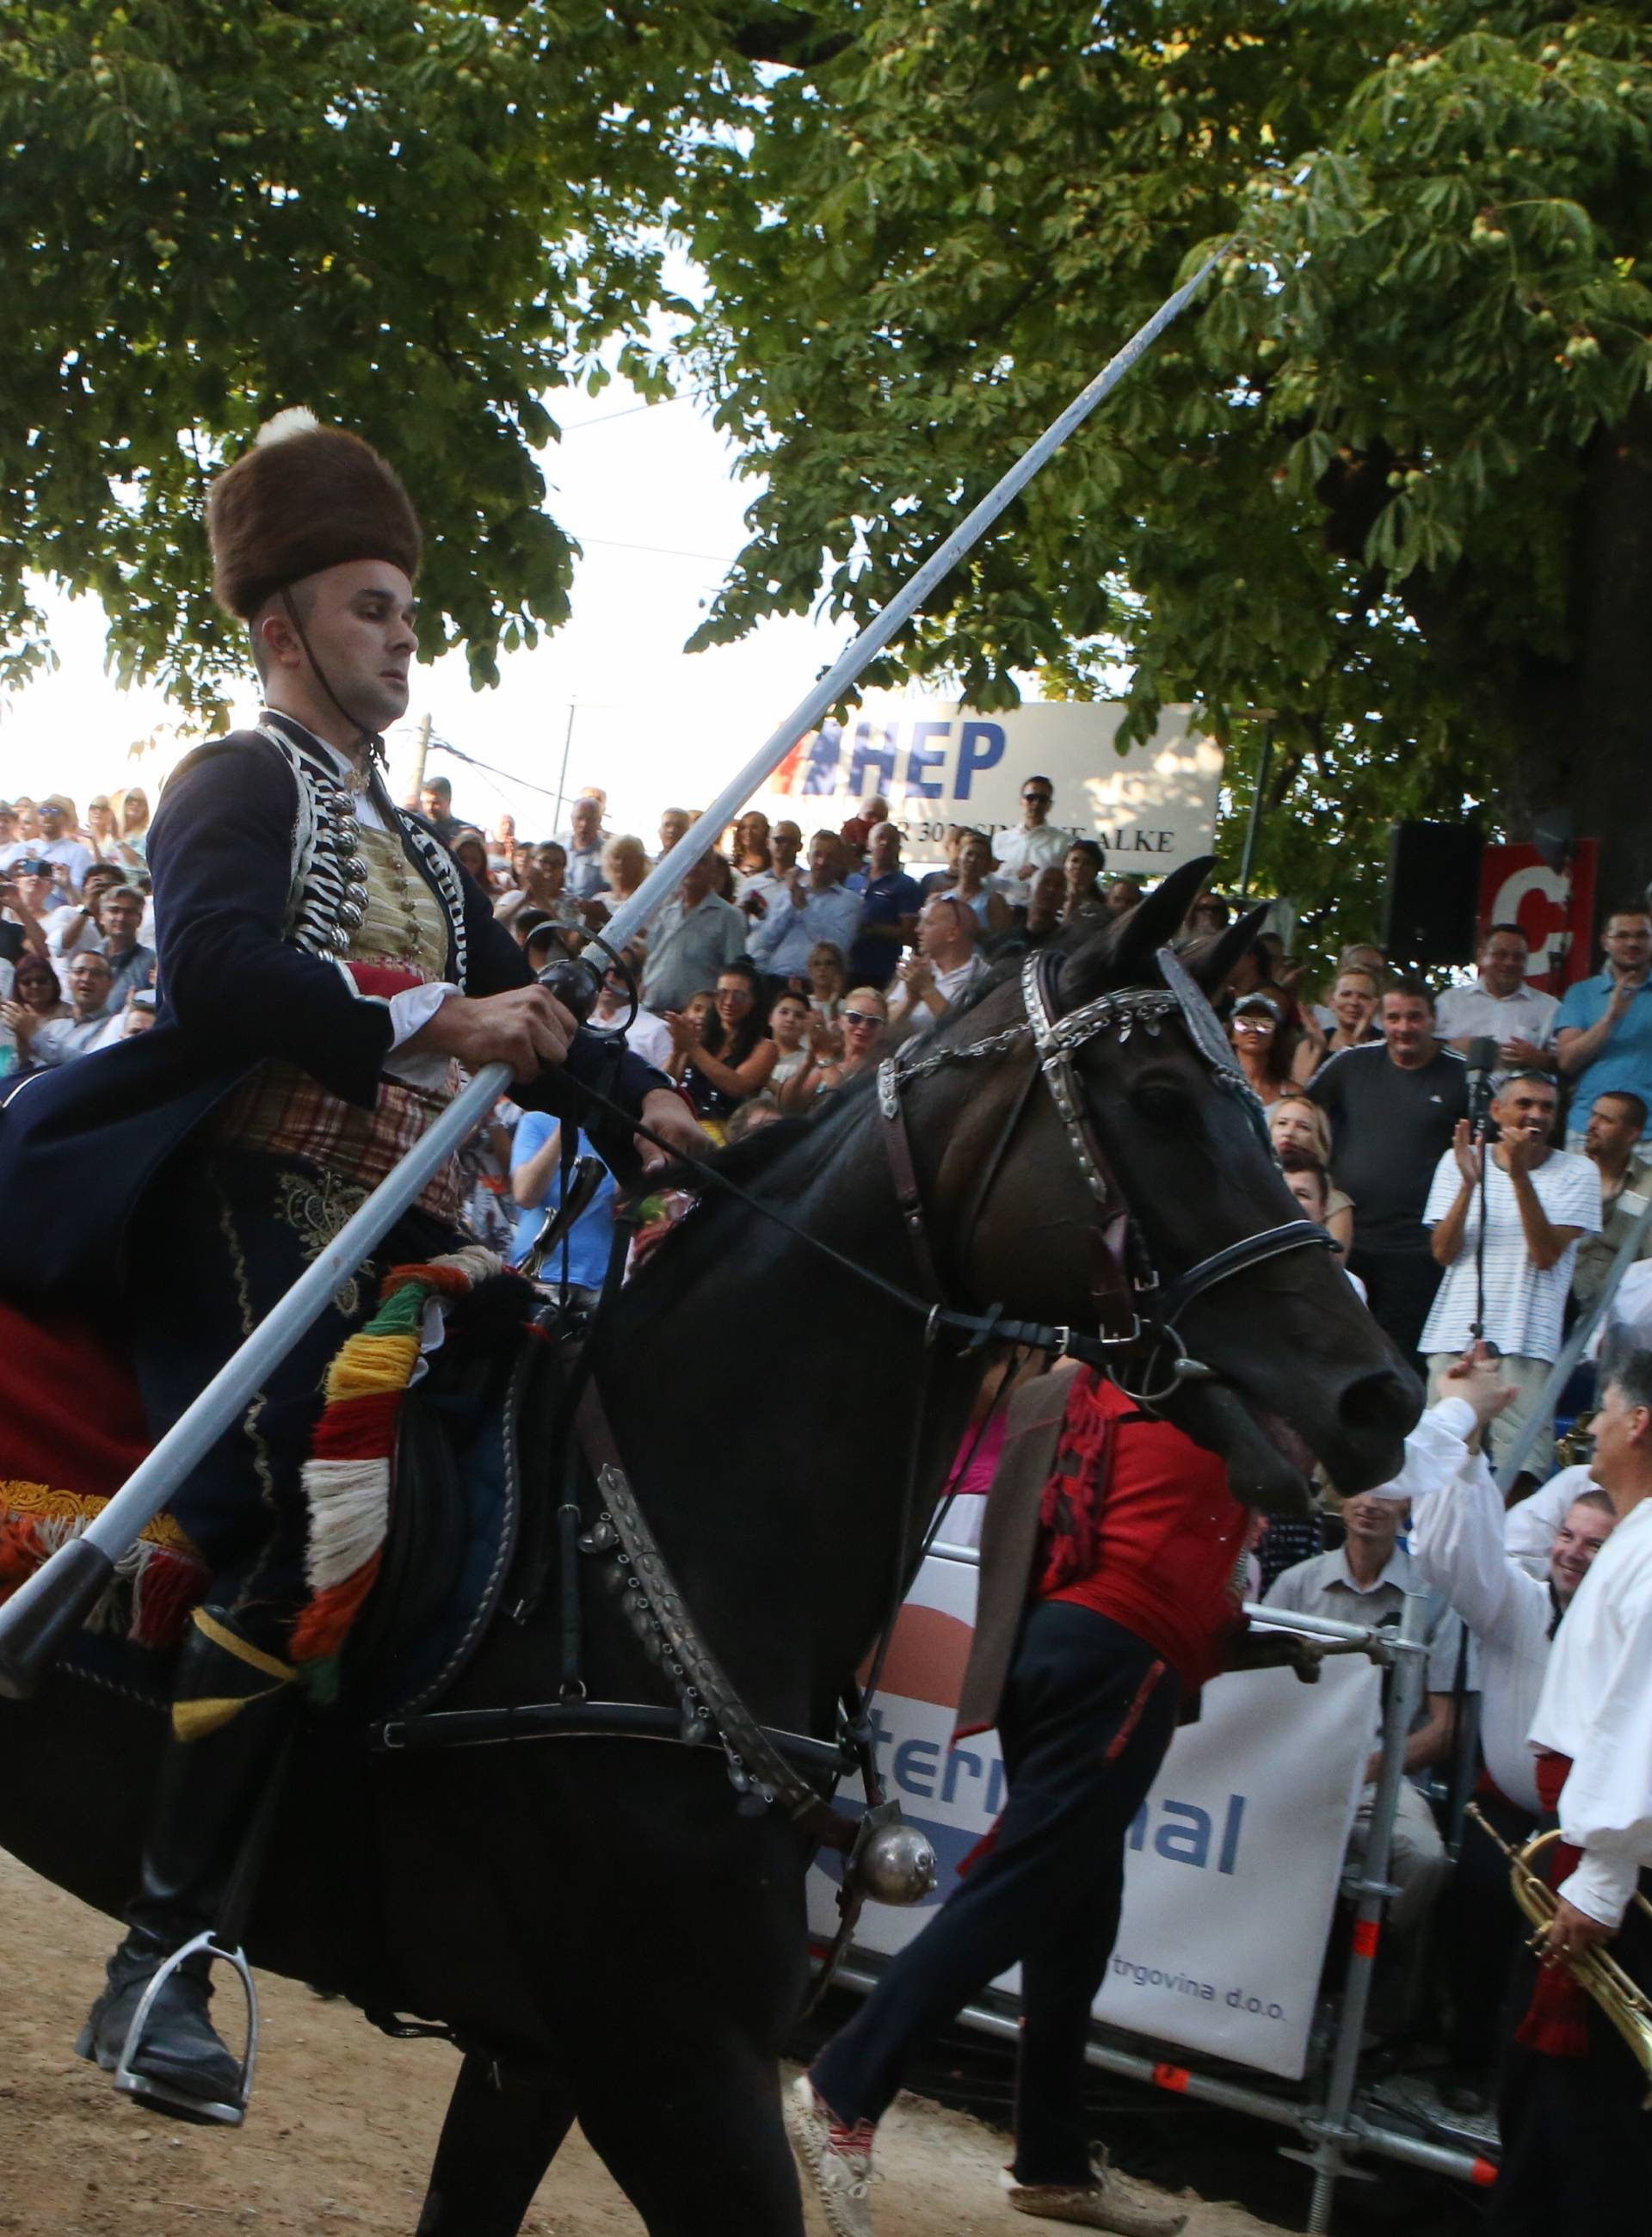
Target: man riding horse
pixel 326 968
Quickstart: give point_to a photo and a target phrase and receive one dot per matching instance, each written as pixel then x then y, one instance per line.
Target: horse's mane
pixel 792 1151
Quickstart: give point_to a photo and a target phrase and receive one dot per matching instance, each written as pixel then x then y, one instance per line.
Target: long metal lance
pixel 36 1621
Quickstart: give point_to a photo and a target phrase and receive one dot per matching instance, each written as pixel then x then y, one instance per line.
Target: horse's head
pixel 1082 1176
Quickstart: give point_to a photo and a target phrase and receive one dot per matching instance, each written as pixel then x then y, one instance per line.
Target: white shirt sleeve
pixel 411 1011
pixel 1606 1803
pixel 1579 1205
pixel 1457 1541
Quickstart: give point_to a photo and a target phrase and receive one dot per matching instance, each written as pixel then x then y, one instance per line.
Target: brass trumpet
pixel 1623 2000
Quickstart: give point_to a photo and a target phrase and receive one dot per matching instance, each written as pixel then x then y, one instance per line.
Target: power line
pixel 441 746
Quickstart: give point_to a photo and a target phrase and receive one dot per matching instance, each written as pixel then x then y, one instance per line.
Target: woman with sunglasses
pixel 1262 1043
pixel 861 1019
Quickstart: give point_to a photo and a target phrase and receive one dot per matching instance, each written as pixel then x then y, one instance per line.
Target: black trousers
pixel 1577 2146
pixel 1088 1713
pixel 1400 1286
pixel 1481 1929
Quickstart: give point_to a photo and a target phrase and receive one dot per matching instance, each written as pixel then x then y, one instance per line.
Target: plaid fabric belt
pixel 282 1110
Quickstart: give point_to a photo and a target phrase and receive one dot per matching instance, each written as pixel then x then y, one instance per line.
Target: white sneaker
pixel 837 2160
pixel 1112 2202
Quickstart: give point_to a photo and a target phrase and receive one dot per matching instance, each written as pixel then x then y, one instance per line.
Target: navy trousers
pixel 1088 1713
pixel 223 1239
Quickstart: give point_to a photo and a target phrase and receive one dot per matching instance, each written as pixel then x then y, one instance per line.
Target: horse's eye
pixel 1163 1103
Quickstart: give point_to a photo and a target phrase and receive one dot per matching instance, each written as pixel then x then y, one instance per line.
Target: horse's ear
pixel 1209 964
pixel 1123 954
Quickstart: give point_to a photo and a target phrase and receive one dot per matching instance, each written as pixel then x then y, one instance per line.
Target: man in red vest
pixel 1111 1590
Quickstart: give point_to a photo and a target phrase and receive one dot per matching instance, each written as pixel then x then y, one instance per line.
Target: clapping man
pixel 946 966
pixel 807 913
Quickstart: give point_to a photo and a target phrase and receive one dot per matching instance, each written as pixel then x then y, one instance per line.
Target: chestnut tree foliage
pixel 421 219
pixel 1390 480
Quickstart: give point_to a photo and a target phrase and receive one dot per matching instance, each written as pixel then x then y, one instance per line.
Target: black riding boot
pixel 207 1791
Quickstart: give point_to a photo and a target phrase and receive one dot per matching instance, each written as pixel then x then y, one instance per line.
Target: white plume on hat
pixel 298 419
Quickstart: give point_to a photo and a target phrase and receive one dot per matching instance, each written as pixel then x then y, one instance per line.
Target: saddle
pixel 395 1629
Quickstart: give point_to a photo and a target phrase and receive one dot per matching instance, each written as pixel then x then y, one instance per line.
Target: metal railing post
pixel 1333 2130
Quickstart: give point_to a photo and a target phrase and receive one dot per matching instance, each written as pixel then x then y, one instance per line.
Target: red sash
pixel 1556 2019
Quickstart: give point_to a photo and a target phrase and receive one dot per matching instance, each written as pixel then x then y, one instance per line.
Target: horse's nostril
pixel 1387 1400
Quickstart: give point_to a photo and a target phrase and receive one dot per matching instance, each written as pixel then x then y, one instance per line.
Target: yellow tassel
pixel 197 1721
pixel 369 1363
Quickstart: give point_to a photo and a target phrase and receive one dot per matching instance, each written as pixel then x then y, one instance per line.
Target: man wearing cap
pixel 325 967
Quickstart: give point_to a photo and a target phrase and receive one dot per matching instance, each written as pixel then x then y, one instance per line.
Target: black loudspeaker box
pixel 1433 893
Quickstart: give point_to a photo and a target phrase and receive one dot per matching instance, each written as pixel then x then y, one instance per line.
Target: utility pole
pixel 419 752
pixel 562 781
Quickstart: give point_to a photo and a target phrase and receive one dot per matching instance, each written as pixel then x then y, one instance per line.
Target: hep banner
pixel 937 763
pixel 1232 1866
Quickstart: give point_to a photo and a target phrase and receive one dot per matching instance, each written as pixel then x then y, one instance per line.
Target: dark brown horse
pixel 600 1928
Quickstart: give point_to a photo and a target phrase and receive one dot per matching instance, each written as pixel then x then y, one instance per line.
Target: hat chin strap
pixel 372 739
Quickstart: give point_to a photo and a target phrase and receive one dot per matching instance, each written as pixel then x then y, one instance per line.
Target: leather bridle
pixel 1138 1311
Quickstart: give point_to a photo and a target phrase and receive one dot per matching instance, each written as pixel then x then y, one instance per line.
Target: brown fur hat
pixel 304 498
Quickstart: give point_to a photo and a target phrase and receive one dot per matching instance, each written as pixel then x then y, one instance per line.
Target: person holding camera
pixel 1536 1203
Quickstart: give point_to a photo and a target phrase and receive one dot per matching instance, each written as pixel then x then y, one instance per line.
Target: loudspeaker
pixel 1433 893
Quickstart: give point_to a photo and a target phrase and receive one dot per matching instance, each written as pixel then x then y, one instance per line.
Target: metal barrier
pixel 1332 2127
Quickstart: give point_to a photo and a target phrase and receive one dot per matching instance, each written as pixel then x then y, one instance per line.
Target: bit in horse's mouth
pixel 1286 1441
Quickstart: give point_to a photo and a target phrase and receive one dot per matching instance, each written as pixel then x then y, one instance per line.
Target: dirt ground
pixel 342 2126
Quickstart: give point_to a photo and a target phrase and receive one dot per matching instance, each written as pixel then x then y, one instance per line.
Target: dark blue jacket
pixel 80 1144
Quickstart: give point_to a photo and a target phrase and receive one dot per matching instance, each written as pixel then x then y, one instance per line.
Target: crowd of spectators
pixel 1478 1154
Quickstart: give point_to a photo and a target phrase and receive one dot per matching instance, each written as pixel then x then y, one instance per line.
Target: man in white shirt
pixel 1035 846
pixel 1577 2147
pixel 1458 1549
pixel 945 967
pixel 1501 1006
pixel 1538 1202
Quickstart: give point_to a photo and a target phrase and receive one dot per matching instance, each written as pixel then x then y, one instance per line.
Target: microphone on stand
pixel 1482 1063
